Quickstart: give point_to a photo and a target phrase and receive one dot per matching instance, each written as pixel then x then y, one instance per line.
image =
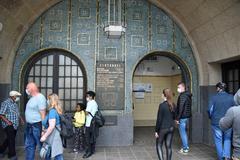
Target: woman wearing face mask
pixel 165 125
pixel 50 133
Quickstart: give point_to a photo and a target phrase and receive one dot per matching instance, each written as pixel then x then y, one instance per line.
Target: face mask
pixel 87 99
pixel 179 90
pixel 17 99
pixel 28 93
pixel 48 102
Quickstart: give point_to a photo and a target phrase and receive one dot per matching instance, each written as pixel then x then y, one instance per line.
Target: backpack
pixel 98 118
pixel 67 128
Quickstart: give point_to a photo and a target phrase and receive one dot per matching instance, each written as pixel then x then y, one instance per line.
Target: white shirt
pixel 92 107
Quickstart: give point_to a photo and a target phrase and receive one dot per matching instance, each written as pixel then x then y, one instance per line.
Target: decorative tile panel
pixel 83 39
pixel 137 41
pixel 137 16
pixel 84 12
pixel 111 53
pixel 76 24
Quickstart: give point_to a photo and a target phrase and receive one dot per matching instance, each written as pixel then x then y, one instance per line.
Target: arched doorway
pixel 152 74
pixel 56 71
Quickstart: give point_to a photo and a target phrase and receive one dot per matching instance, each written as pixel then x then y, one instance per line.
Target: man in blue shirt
pixel 34 114
pixel 218 106
pixel 9 114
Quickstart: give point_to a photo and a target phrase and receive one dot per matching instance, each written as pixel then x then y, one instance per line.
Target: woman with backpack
pixel 165 125
pixel 51 134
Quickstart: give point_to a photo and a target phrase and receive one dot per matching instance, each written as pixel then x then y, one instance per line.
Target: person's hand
pixel 156 135
pixel 176 121
pixel 9 123
pixel 22 122
pixel 43 138
pixel 43 131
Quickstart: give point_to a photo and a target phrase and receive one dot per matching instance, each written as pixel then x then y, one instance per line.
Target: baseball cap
pixel 14 93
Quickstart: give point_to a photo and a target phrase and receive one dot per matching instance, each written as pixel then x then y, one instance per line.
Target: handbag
pixel 45 151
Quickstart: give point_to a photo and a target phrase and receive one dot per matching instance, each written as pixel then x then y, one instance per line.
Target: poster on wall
pixel 142 87
pixel 139 95
pixel 138 87
pixel 148 87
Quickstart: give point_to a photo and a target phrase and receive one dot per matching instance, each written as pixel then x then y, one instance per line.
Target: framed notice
pixel 110 93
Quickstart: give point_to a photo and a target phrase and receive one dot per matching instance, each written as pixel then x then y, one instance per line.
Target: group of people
pixel 223 110
pixel 43 124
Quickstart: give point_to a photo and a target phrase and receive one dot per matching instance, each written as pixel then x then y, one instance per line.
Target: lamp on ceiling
pixel 114 27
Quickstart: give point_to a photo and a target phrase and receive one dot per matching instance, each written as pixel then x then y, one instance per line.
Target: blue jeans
pixel 58 157
pixel 222 142
pixel 32 139
pixel 183 132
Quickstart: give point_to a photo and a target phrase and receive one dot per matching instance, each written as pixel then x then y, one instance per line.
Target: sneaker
pixel 183 151
pixel 75 150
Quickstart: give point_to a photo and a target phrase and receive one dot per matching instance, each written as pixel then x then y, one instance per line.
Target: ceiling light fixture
pixel 114 27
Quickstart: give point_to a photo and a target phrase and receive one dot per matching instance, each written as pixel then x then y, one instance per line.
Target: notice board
pixel 110 80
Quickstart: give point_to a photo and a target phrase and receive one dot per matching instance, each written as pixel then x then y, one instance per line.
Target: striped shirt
pixel 10 110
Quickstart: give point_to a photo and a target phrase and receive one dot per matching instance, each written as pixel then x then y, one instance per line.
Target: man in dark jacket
pixel 184 112
pixel 218 106
pixel 232 120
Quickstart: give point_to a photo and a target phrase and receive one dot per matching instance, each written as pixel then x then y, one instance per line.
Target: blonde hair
pixel 54 102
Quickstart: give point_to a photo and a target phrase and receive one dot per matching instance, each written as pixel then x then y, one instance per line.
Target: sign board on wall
pixel 110 85
pixel 142 87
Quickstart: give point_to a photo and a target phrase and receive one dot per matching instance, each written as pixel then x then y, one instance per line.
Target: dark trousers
pixel 165 136
pixel 90 142
pixel 9 142
pixel 79 138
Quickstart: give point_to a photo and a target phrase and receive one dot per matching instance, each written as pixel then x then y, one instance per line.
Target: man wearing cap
pixel 218 106
pixel 9 114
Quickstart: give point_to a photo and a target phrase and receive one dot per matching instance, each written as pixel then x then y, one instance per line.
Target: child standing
pixel 78 122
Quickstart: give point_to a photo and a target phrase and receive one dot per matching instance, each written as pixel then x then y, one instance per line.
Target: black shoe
pixel 86 155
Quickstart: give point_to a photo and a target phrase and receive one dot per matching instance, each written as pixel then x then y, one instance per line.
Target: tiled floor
pixel 143 149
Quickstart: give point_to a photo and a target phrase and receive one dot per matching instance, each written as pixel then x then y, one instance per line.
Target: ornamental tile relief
pixel 149 28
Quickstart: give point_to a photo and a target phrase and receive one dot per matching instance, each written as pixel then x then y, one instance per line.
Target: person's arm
pixel 42 114
pixel 180 107
pixel 52 124
pixel 158 122
pixel 5 120
pixel 227 121
pixel 21 119
pixel 210 108
pixel 42 106
pixel 88 109
pixel 3 111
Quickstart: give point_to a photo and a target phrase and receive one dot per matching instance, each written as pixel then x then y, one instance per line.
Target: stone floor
pixel 143 149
